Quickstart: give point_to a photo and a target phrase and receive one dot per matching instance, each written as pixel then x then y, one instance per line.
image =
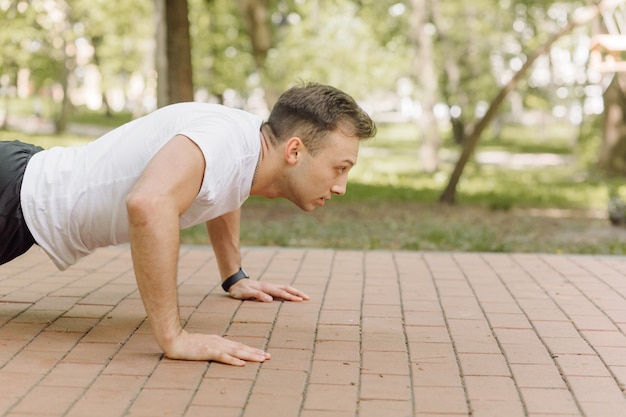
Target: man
pixel 182 165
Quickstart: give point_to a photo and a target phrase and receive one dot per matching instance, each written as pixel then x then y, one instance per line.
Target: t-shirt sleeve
pixel 219 150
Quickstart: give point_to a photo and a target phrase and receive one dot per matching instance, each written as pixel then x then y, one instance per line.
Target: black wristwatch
pixel 234 278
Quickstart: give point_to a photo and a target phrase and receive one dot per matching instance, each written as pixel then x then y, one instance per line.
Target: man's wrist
pixel 234 278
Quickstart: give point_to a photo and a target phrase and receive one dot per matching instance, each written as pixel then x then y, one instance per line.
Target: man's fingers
pixel 289 293
pixel 262 296
pixel 265 292
pixel 297 293
pixel 252 294
pixel 230 360
pixel 195 346
pixel 287 296
pixel 250 354
pixel 242 353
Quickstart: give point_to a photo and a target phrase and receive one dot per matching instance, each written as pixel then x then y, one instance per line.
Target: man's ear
pixel 293 149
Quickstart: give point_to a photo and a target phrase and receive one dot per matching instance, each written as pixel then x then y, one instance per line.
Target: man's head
pixel 311 111
pixel 317 129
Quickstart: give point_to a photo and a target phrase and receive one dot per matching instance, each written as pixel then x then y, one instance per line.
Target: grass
pixel 420 226
pixel 391 204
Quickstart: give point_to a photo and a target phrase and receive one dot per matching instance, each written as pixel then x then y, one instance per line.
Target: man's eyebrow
pixel 350 161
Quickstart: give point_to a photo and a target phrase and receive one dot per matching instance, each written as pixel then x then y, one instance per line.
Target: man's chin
pixel 307 207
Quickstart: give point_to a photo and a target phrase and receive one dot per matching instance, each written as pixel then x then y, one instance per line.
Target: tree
pixel 469 34
pixel 222 54
pixel 612 158
pixel 59 41
pixel 178 51
pixel 36 39
pixel 255 14
pixel 256 19
pixel 422 32
pixel 449 194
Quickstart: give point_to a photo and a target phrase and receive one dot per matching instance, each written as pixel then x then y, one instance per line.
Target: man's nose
pixel 340 188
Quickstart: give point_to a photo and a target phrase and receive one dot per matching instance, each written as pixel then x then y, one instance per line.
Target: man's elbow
pixel 141 208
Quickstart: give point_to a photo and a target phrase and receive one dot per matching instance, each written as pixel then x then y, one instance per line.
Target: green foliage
pixel 334 44
pixel 481 44
pixel 52 40
pixel 23 41
pixel 221 50
pixel 361 46
pixel 120 35
pixel 468 38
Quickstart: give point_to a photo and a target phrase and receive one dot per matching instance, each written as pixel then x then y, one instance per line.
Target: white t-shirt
pixel 73 198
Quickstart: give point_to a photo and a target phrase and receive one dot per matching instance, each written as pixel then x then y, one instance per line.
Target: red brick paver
pixel 385 334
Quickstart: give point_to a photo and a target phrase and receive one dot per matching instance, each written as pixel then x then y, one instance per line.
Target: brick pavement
pixel 386 334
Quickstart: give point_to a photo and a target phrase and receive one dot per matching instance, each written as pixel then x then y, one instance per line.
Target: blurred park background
pixel 501 122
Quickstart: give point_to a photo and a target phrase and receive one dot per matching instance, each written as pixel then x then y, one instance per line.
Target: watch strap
pixel 234 278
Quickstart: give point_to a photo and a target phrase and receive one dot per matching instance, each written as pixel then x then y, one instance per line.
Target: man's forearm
pixel 154 242
pixel 224 234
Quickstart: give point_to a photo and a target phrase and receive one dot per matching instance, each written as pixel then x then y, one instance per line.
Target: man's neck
pixel 266 183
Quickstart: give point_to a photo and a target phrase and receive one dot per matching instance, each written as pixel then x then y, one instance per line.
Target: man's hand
pixel 248 289
pixel 201 347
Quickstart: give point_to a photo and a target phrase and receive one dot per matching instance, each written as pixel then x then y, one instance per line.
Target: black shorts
pixel 15 238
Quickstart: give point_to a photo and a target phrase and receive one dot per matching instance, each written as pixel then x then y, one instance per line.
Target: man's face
pixel 314 179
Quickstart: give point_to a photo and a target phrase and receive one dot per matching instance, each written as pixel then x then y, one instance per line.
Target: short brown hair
pixel 310 111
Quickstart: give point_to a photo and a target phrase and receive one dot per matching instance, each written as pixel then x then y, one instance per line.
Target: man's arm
pixel 224 235
pixel 165 190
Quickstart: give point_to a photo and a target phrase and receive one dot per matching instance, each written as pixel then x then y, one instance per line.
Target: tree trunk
pixel 6 100
pixel 449 194
pixel 425 77
pixel 60 124
pixel 612 158
pixel 178 50
pixel 256 19
pixel 160 53
pixel 67 66
pixel 452 91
